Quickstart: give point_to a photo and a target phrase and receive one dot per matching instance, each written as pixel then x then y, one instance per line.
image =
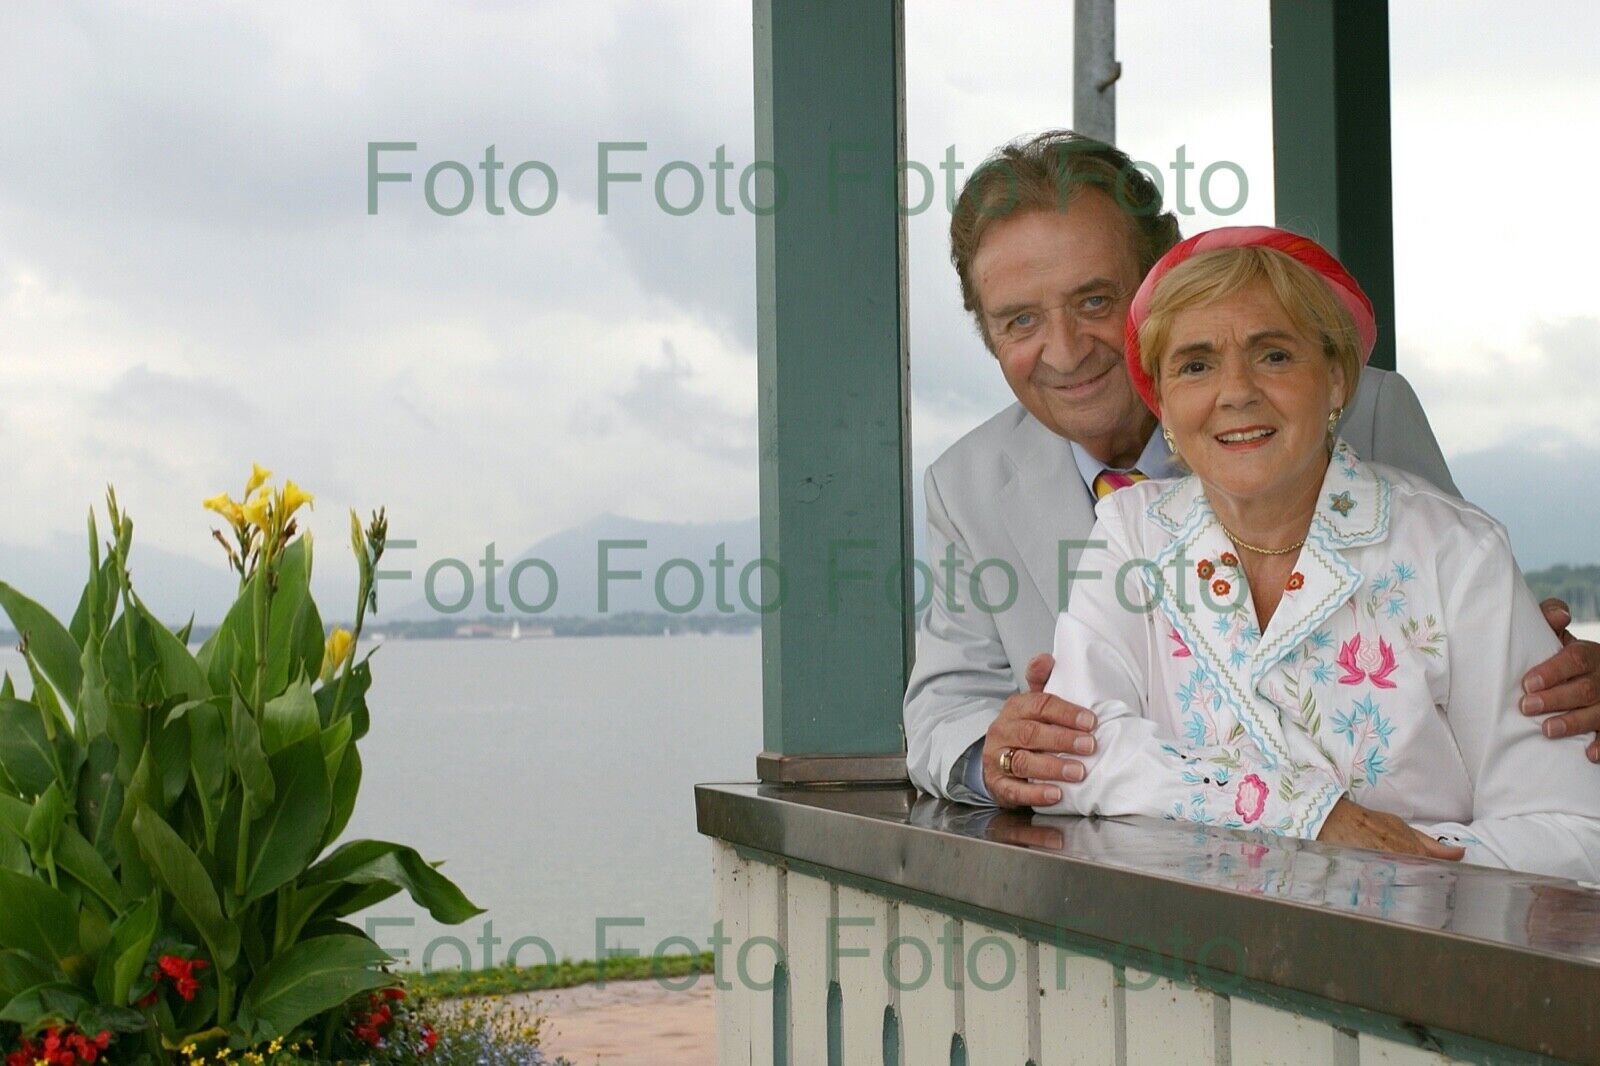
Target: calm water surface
pixel 556 778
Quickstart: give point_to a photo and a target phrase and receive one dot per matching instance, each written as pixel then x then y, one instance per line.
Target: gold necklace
pixel 1247 546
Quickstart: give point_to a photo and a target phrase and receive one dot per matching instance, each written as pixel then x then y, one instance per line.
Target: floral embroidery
pixel 1296 582
pixel 1367 732
pixel 1182 650
pixel 1341 502
pixel 1387 594
pixel 1205 569
pixel 1220 587
pixel 1366 664
pixel 1251 799
pixel 1200 701
pixel 1229 559
pixel 1424 636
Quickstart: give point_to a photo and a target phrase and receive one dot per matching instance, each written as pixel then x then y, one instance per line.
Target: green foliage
pixel 164 812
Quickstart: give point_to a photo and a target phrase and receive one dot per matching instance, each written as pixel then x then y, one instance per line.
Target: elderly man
pixel 1050 238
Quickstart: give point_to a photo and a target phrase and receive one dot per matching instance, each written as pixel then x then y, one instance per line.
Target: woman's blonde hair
pixel 1215 275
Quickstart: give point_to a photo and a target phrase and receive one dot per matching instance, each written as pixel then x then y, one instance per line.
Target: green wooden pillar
pixel 831 344
pixel 1330 133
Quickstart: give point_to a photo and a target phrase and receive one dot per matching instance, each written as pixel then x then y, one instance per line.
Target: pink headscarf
pixel 1303 249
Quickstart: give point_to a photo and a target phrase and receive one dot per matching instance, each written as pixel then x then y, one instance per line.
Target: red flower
pixel 1296 581
pixel 1205 569
pixel 1220 588
pixel 182 971
pixel 394 993
pixel 1229 559
pixel 429 1039
pixel 60 1047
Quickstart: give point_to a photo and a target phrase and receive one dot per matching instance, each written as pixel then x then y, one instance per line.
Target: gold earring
pixel 1172 445
pixel 1333 419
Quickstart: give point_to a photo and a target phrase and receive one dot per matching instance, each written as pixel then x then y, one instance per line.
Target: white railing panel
pixel 732 900
pixel 1080 1010
pixel 1376 1051
pixel 863 987
pixel 929 973
pixel 996 999
pixel 810 904
pixel 1270 1037
pixel 1174 1024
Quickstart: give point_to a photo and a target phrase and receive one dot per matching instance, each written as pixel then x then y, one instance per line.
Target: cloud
pixel 190 281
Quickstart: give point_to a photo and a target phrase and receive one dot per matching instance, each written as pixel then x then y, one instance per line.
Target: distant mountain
pixel 575 555
pixel 174 586
pixel 1546 493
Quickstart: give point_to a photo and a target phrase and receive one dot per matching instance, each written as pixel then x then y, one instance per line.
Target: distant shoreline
pixel 526 627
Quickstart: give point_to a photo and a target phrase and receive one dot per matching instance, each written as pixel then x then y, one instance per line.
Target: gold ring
pixel 1005 761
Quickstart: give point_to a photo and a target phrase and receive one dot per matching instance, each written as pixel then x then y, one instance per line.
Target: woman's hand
pixel 1354 826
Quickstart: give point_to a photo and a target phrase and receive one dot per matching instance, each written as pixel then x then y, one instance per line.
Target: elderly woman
pixel 1291 639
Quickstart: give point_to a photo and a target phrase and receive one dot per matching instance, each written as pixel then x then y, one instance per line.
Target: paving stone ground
pixel 629 1023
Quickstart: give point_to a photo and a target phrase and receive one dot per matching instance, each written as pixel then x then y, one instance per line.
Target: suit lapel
pixel 1044 503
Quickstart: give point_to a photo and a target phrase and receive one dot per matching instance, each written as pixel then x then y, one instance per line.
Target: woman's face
pixel 1247 396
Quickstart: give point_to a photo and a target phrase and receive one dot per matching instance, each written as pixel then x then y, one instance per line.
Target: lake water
pixel 556 777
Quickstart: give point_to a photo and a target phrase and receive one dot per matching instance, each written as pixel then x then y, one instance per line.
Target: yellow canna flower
pixel 258 512
pixel 223 505
pixel 335 653
pixel 258 477
pixel 293 497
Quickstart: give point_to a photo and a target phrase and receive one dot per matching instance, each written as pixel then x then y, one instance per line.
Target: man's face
pixel 1053 288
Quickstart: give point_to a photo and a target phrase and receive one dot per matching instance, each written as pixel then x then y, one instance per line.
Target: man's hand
pixel 1354 826
pixel 1033 727
pixel 1568 681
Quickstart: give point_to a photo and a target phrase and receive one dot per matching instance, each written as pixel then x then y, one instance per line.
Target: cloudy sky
pixel 190 280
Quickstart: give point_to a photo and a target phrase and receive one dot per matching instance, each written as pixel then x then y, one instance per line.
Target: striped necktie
pixel 1110 481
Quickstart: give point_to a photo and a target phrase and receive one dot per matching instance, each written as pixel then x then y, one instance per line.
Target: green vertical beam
pixel 1331 141
pixel 831 347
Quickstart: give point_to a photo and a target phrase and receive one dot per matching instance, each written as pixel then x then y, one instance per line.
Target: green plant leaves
pixel 180 673
pixel 285 839
pixel 187 882
pixel 37 918
pixel 377 861
pixel 208 761
pixel 100 796
pixel 26 752
pixel 294 630
pixel 19 972
pixel 122 963
pixel 254 772
pixel 290 718
pixel 309 978
pixel 48 641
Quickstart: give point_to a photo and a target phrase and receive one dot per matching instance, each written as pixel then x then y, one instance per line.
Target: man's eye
pixel 1023 321
pixel 1096 303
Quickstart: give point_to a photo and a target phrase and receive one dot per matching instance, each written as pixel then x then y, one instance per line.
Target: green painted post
pixel 831 351
pixel 1331 144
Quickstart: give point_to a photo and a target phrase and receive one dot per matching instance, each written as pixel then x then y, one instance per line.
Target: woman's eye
pixel 1193 366
pixel 1277 355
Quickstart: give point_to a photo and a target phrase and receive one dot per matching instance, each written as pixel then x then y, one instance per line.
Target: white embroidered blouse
pixel 1390 672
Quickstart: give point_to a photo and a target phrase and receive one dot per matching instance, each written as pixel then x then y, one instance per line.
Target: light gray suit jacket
pixel 1008 500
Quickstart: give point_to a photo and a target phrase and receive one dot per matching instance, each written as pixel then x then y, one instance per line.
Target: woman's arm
pixel 1103 650
pixel 1533 808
